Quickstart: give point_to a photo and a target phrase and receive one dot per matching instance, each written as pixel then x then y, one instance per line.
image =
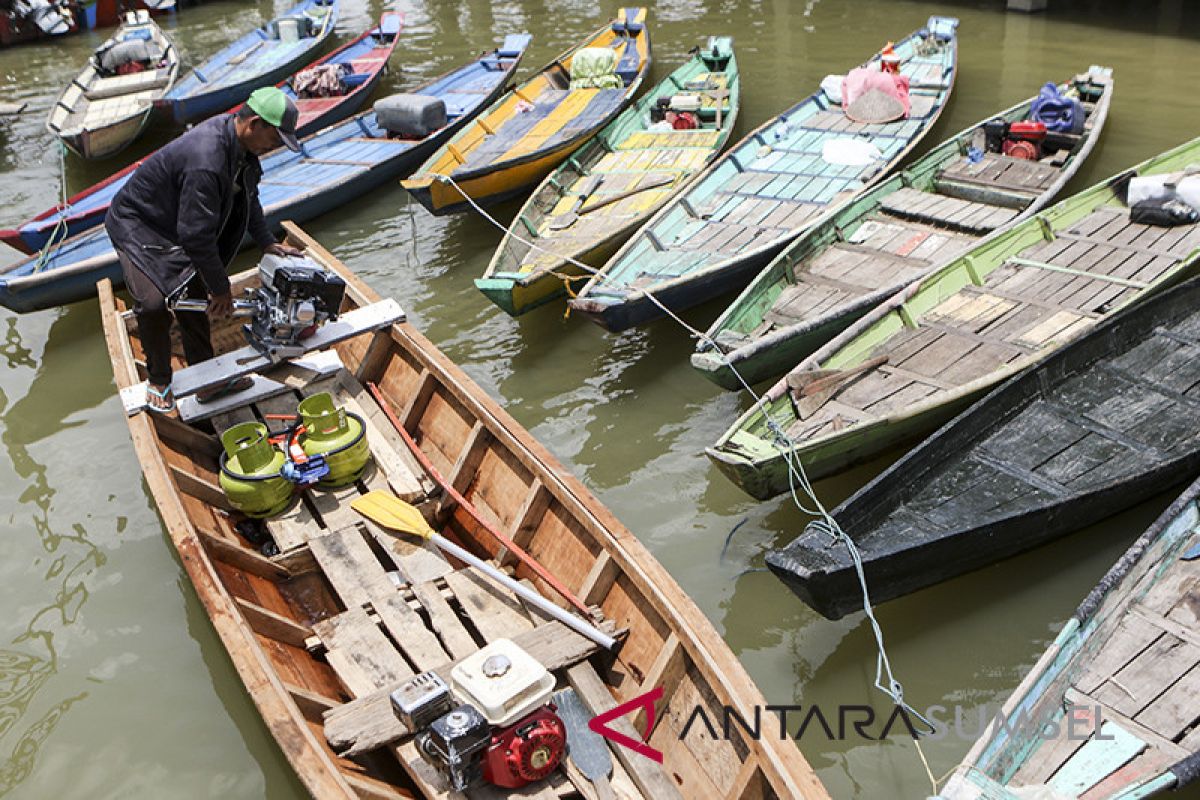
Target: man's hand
pixel 283 250
pixel 220 305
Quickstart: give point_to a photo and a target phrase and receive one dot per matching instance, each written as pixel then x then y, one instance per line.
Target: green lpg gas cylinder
pixel 339 436
pixel 250 471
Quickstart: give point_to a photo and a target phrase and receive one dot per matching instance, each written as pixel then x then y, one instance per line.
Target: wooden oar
pixel 389 511
pixel 240 57
pixel 585 192
pixel 811 389
pixel 718 96
pixel 654 184
pixel 512 547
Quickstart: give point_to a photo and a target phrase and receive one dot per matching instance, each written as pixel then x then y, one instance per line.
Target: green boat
pixel 1109 710
pixel 892 235
pixel 922 356
pixel 591 204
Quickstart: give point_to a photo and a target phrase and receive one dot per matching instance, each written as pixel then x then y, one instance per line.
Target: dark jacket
pixel 179 215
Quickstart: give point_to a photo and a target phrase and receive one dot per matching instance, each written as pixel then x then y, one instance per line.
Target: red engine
pixel 1024 140
pixel 525 751
pixel 1025 150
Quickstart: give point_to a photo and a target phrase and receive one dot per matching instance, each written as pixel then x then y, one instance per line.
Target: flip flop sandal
pixel 231 386
pixel 163 394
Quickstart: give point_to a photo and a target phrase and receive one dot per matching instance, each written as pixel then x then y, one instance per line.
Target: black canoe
pixel 1101 425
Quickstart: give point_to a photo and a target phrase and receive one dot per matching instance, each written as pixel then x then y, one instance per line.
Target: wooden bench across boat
pixel 322 631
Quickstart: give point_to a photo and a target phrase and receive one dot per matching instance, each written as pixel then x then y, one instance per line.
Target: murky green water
pixel 112 683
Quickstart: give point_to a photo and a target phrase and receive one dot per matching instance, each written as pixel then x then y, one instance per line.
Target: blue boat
pixel 767 190
pixel 262 57
pixel 367 57
pixel 338 165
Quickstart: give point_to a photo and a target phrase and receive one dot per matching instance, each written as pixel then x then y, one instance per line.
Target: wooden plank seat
pixel 952 212
pixel 121 85
pixel 1004 172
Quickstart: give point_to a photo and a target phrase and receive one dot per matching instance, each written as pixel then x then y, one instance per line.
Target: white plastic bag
pixel 850 152
pixel 831 85
pixel 1151 187
pixel 1188 190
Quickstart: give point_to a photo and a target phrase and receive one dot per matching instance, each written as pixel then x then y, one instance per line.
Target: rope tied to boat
pixel 59 232
pixel 796 477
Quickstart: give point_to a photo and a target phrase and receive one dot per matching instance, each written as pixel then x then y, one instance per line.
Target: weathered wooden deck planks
pixel 933 216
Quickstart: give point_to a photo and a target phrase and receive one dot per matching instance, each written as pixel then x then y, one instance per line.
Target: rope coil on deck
pixel 796 477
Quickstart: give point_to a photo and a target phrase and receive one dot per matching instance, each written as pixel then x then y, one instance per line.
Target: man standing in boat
pixel 181 218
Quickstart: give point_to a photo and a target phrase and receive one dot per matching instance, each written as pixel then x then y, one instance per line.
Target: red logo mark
pixel 599 724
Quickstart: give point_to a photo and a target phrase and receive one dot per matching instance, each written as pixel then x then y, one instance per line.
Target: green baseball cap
pixel 277 109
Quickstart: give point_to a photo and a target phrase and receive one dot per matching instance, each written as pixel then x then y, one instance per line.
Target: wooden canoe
pixel 101 111
pixel 527 133
pixel 261 57
pixel 627 172
pixel 1104 423
pixel 315 660
pixel 763 193
pixel 1124 667
pixel 929 351
pixel 338 165
pixel 368 55
pixel 894 234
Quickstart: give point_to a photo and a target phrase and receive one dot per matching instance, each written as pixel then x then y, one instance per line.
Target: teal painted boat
pixel 892 235
pixel 922 356
pixel 1110 709
pixel 737 216
pixel 590 205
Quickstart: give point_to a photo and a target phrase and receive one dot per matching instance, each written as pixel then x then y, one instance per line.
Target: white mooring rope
pixel 796 476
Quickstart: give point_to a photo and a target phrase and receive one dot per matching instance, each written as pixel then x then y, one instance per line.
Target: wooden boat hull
pixel 87 208
pixel 834 435
pixel 1108 671
pixel 518 296
pixel 100 113
pixel 70 273
pixel 370 51
pixel 276 649
pixel 808 294
pixel 913 534
pixel 494 186
pixel 520 278
pixel 107 141
pixel 763 193
pixel 193 99
pixel 499 156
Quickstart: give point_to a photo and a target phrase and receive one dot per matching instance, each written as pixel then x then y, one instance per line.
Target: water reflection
pixel 52 397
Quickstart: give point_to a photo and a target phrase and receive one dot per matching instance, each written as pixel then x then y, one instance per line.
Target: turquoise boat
pixel 766 191
pixel 892 235
pixel 1110 709
pixel 924 355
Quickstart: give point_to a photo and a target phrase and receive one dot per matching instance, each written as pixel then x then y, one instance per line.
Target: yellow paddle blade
pixel 384 508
